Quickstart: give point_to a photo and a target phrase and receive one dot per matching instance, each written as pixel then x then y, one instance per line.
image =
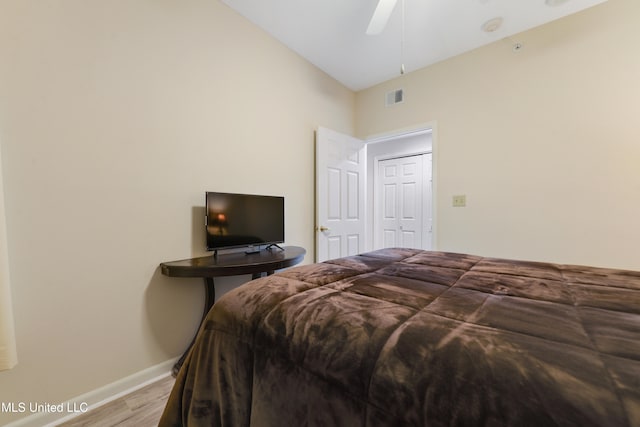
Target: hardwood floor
pixel 141 408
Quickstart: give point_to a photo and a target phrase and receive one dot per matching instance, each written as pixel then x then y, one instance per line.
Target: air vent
pixel 394 97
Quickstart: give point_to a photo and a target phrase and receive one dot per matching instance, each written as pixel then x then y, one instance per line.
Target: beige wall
pixel 545 142
pixel 115 118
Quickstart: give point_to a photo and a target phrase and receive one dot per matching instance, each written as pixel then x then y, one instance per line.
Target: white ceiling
pixel 331 33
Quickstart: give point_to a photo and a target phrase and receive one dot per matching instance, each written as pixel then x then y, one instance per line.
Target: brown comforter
pixel 405 337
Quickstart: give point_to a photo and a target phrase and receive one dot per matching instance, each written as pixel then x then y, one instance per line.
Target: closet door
pixel 403 219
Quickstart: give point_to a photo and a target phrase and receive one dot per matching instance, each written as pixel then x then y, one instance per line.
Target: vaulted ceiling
pixel 331 34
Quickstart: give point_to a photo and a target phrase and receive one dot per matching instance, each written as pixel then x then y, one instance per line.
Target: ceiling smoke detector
pixel 492 25
pixel 555 2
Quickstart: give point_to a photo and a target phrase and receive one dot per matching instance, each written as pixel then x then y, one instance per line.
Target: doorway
pixel 400 191
pixel 347 173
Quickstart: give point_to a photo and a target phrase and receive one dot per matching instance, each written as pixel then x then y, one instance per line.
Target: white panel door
pixel 340 195
pixel 403 203
pixel 427 201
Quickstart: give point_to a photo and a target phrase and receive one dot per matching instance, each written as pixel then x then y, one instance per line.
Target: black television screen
pixel 239 220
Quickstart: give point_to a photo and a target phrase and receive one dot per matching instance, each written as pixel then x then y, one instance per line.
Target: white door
pixel 403 207
pixel 427 202
pixel 340 195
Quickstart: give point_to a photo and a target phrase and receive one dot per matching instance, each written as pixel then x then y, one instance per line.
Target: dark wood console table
pixel 232 264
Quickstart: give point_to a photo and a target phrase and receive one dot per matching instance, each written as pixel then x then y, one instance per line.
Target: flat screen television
pixel 243 220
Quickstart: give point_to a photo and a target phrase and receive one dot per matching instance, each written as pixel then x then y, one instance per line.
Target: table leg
pixel 209 299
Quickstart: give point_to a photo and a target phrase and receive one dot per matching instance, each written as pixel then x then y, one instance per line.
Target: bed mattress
pixel 418 338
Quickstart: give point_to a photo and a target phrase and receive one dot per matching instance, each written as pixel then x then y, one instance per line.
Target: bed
pixel 403 337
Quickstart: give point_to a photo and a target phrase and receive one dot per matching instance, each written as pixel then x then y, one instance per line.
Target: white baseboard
pixel 98 397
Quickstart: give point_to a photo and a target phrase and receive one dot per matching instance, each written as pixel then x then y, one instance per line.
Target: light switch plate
pixel 459 201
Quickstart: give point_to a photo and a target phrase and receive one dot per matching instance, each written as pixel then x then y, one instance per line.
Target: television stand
pixel 273 245
pixel 232 264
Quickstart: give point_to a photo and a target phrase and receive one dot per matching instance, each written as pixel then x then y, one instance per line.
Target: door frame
pixel 426 128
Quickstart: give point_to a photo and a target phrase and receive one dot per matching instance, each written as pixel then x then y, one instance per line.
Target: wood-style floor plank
pixel 141 408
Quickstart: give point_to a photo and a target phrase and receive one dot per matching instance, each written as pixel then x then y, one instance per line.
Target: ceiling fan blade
pixel 380 16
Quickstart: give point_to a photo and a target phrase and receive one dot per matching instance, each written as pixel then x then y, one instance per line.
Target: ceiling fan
pixel 381 16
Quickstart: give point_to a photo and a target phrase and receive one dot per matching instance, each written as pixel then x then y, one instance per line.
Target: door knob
pixel 322 228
